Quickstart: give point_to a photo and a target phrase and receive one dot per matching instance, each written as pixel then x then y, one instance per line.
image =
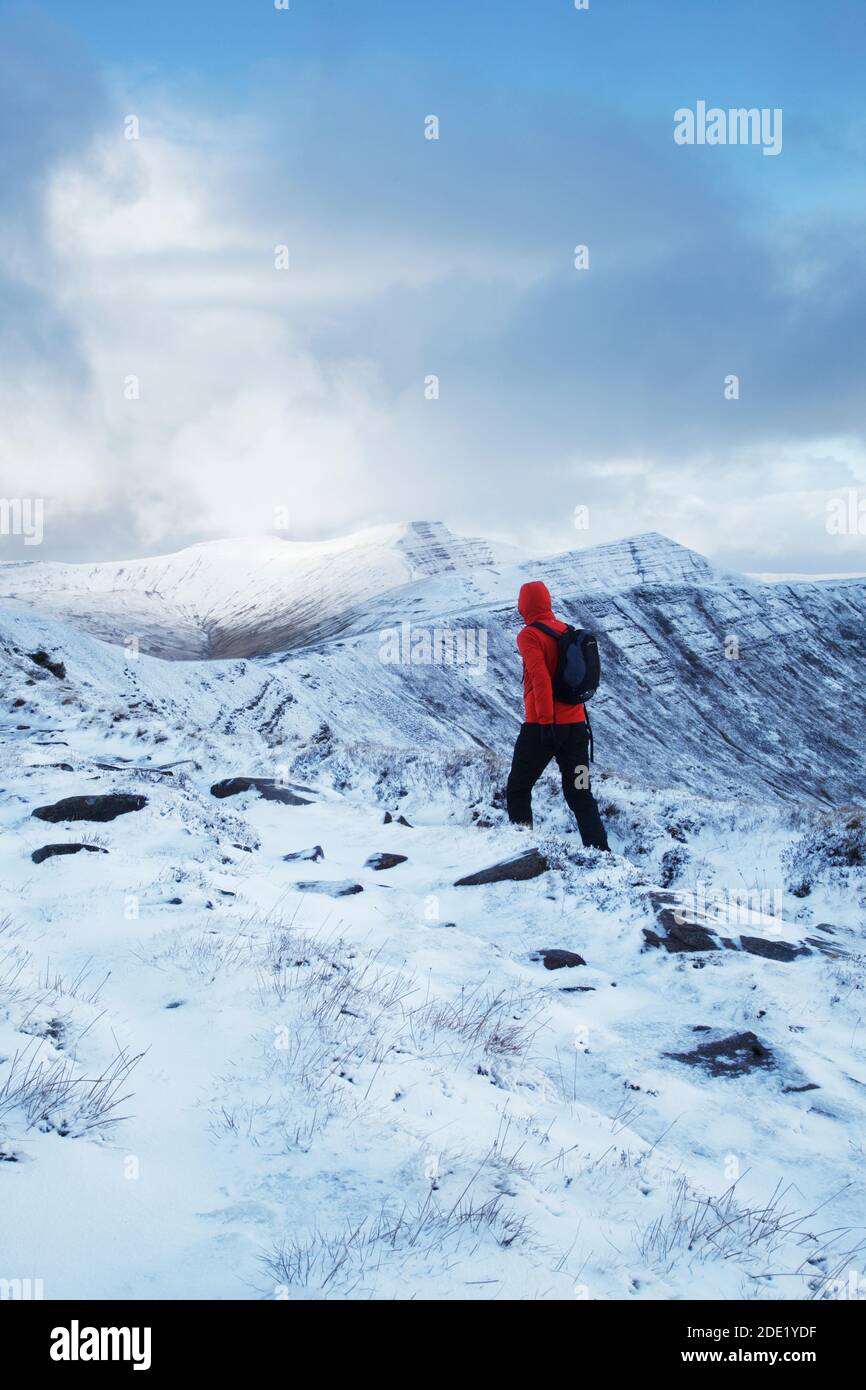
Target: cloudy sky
pixel 162 381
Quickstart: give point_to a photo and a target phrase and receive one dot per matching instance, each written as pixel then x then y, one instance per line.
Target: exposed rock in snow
pixel 266 787
pixel 732 1056
pixel 44 660
pixel 337 889
pixel 106 807
pixel 315 854
pixel 529 864
pixel 558 960
pixel 50 851
pixel 680 928
pixel 383 860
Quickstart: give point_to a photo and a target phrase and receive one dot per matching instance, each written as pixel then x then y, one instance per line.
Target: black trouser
pixel 569 744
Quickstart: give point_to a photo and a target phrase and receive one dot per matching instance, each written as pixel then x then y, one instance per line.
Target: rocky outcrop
pixel 49 851
pixel 97 808
pixel 558 959
pixel 339 888
pixel 266 787
pixel 384 860
pixel 679 928
pixel 530 864
pixel 731 1056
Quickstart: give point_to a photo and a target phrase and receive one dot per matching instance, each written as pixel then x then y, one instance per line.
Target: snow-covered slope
pixel 216 1081
pixel 712 681
pixel 240 597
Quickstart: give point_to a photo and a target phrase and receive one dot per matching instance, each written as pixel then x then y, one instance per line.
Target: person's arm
pixel 531 649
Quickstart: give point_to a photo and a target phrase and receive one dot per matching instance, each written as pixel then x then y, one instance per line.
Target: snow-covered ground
pixel 216 1083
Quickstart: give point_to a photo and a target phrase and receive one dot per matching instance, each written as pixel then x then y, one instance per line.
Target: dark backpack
pixel 578 670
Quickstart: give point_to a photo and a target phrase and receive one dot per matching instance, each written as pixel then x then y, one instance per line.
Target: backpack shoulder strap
pixel 542 627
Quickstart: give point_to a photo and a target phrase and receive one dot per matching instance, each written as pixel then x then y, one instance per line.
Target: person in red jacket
pixel 551 729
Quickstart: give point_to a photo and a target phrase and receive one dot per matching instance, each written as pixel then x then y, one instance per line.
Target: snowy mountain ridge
pixel 243 596
pixel 711 680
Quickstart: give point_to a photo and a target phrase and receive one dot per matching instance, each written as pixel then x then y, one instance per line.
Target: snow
pixel 241 596
pixel 385 1095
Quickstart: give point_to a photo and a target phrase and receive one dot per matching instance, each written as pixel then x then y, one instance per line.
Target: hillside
pixel 258 1041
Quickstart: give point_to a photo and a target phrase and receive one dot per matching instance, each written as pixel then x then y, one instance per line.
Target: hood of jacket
pixel 533 602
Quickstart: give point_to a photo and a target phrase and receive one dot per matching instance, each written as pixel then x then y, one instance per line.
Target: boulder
pixel 267 787
pixel 383 860
pixel 772 949
pixel 49 851
pixel 338 888
pixel 530 864
pixel 731 1056
pixel 679 928
pixel 314 854
pixel 557 959
pixel 98 808
pixel 680 935
pixel 56 668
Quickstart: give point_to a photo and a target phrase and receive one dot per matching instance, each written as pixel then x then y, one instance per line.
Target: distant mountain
pixel 240 597
pixel 711 681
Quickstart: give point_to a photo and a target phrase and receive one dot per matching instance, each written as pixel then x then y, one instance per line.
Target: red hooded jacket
pixel 540 655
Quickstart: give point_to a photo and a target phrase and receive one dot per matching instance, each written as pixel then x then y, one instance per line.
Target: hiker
pixel 554 728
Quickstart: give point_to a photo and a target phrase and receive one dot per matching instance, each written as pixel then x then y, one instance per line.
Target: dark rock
pixel 340 888
pixel 266 787
pixel 42 659
pixel 48 851
pixel 175 902
pixel 577 989
pixel 314 854
pixel 401 820
pixel 98 808
pixel 682 935
pixel 798 1090
pixel 530 864
pixel 387 818
pixel 558 960
pixel 831 949
pixel 733 1056
pixel 384 860
pixel 680 929
pixel 773 950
